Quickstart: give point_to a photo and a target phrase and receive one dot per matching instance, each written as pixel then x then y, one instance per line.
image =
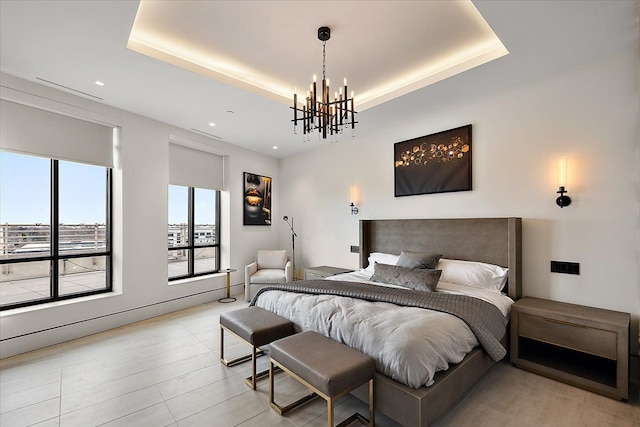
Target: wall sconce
pixel 562 200
pixel 354 209
pixel 353 196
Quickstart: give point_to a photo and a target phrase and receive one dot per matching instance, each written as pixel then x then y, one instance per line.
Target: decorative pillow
pixel 473 274
pixel 380 258
pixel 418 279
pixel 418 260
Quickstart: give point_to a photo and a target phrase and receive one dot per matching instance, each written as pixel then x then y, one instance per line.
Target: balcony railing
pixel 24 240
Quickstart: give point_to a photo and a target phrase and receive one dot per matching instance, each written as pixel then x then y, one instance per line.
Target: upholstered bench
pixel 256 327
pixel 330 369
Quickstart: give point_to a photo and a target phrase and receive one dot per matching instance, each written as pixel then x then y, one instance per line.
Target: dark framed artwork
pixel 256 208
pixel 437 163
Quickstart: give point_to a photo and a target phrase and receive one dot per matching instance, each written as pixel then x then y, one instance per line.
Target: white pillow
pixel 473 274
pixel 380 258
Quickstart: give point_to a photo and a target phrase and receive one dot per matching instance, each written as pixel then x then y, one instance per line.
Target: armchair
pixel 270 267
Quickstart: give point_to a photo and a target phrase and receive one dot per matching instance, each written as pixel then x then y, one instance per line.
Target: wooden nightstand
pixel 583 346
pixel 323 271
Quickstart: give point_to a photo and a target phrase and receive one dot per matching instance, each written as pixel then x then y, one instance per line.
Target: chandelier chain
pixel 324 59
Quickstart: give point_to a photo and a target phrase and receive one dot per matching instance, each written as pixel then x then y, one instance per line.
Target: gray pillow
pixel 418 260
pixel 418 279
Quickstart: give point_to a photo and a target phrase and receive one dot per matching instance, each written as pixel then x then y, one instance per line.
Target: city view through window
pixel 190 255
pixel 38 262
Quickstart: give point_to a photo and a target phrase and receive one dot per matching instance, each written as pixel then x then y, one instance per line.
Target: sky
pixel 25 193
pixel 179 204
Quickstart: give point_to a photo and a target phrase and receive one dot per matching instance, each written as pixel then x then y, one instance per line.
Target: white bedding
pixel 408 344
pixel 502 301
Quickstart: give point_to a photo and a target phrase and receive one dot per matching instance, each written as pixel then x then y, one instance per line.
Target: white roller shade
pixel 30 130
pixel 195 168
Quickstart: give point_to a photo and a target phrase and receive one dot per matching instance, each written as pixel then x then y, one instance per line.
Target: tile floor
pixel 166 372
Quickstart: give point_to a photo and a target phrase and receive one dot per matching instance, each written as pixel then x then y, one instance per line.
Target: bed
pixel 495 241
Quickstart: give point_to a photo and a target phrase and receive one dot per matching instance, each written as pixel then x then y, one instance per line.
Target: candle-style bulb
pixel 345 81
pixel 314 78
pixel 562 173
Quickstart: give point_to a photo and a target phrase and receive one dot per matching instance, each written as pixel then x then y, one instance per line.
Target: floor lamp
pixel 293 244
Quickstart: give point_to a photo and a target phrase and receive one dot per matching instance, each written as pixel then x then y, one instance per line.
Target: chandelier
pixel 319 112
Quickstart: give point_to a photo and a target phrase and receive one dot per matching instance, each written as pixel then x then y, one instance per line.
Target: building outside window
pixel 193 232
pixel 55 235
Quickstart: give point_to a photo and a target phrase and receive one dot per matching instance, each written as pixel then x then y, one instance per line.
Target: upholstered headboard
pixel 491 240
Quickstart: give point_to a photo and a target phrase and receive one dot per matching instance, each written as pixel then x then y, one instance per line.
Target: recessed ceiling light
pixel 275 148
pixel 212 124
pixel 99 83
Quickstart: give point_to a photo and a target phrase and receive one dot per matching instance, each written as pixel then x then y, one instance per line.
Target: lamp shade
pixel 562 172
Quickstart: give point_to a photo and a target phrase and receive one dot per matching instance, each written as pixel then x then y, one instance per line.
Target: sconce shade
pixel 354 196
pixel 562 200
pixel 562 173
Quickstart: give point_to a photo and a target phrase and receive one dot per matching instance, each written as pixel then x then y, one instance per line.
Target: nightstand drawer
pixel 569 335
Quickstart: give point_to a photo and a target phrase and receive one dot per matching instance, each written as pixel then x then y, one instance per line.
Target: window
pixel 193 232
pixel 54 230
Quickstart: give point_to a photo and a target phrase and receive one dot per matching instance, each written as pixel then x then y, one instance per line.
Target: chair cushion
pixel 328 365
pixel 256 325
pixel 271 259
pixel 269 276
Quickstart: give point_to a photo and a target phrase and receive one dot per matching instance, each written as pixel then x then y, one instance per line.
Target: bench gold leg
pixel 252 382
pixel 355 417
pixel 283 409
pixel 255 376
pixel 371 422
pixel 237 360
pixel 255 353
pixel 271 383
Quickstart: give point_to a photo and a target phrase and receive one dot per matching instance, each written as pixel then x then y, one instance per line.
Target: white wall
pixel 589 114
pixel 140 228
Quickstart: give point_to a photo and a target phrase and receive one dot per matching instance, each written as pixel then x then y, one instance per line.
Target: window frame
pixel 192 246
pixel 54 256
